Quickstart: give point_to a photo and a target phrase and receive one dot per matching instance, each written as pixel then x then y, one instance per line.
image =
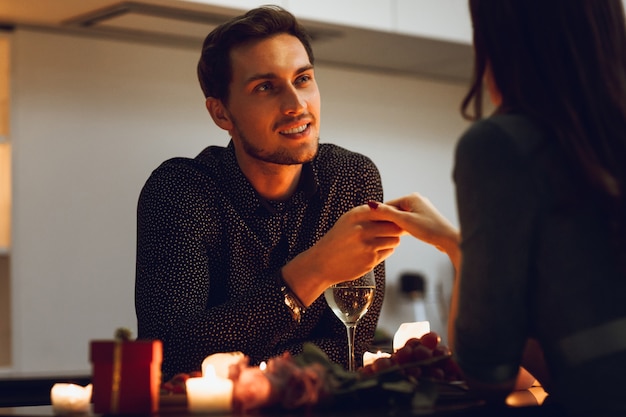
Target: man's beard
pixel 280 156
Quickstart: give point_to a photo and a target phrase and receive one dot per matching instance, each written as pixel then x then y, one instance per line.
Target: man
pixel 235 246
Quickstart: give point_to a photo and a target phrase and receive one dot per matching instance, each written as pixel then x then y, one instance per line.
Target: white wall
pixel 440 19
pixel 91 118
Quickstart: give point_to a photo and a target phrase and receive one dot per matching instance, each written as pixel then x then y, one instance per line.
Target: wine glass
pixel 350 300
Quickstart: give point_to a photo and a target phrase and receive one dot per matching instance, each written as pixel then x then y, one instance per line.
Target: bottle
pixel 412 285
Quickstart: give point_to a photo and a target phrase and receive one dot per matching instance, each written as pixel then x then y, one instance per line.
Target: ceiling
pixel 185 24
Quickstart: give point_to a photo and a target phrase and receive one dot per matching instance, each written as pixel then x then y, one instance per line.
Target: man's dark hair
pixel 214 67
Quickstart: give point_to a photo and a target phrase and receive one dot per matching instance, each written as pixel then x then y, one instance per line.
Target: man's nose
pixel 293 101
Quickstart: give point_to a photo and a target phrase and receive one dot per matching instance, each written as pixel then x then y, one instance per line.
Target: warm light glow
pixel 209 393
pixel 369 357
pixel 222 362
pixel 263 366
pixel 408 331
pixel 209 372
pixel 539 393
pixel 70 398
pixel 529 397
pixel 5 145
pixel 5 196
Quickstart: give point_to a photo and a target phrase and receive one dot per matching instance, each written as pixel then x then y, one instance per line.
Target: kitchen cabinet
pixel 446 20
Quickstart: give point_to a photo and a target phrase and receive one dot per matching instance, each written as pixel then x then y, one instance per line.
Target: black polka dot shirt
pixel 209 250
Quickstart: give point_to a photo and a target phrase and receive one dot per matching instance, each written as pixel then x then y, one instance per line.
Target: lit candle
pixel 408 331
pixel 70 398
pixel 369 357
pixel 209 393
pixel 221 362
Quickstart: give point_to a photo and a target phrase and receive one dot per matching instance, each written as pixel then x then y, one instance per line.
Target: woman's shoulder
pixel 500 143
pixel 502 137
pixel 504 129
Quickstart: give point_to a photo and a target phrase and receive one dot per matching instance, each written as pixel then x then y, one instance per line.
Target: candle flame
pixel 209 372
pixel 408 331
pixel 70 398
pixel 369 357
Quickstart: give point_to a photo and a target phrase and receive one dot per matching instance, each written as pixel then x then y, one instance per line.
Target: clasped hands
pixel 364 237
pixel 416 215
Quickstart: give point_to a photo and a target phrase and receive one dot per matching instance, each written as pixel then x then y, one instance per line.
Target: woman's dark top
pixel 539 261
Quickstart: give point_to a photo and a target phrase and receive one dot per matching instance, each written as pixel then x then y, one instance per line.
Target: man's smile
pixel 295 130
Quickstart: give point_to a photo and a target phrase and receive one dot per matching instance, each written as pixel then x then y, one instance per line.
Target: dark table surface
pixel 176 406
pixel 28 389
pixel 478 411
pixel 29 396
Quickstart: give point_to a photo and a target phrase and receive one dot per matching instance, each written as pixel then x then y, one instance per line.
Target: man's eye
pixel 263 87
pixel 303 79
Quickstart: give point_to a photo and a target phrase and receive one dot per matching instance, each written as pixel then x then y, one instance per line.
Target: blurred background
pixel 95 94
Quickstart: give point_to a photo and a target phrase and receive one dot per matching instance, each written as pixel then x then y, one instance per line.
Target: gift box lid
pixel 137 351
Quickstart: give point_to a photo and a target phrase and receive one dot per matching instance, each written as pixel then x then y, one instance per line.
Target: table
pixel 529 411
pixel 28 395
pixel 30 389
pixel 526 405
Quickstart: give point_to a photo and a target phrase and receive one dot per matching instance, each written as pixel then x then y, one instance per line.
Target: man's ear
pixel 219 113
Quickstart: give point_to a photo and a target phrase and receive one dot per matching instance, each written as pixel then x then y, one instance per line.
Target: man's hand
pixel 416 215
pixel 354 245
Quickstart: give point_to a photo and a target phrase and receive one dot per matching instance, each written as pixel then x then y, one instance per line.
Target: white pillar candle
pixel 209 393
pixel 369 357
pixel 221 362
pixel 408 331
pixel 70 398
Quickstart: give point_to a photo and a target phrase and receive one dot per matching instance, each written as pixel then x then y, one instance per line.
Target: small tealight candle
pixel 209 393
pixel 221 363
pixel 70 398
pixel 369 357
pixel 408 331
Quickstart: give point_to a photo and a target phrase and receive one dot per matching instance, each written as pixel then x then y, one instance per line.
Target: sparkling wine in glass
pixel 350 300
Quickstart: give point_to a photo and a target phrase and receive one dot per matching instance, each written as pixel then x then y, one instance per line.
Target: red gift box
pixel 126 376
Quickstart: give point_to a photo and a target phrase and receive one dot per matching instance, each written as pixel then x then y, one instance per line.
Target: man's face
pixel 274 102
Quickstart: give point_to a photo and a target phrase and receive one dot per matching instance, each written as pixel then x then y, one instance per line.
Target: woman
pixel 540 188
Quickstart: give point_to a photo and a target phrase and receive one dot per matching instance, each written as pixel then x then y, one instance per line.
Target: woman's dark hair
pixel 214 67
pixel 563 64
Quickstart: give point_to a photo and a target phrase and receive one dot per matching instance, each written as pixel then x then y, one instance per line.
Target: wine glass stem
pixel 351 360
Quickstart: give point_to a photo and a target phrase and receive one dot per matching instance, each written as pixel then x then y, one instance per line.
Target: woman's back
pixel 578 291
pixel 538 261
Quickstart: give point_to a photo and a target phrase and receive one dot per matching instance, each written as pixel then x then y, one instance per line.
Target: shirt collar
pixel 245 196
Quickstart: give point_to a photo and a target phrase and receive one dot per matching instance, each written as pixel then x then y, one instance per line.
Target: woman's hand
pixel 418 217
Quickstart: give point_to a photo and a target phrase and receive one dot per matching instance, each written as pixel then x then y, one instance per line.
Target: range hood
pixel 185 24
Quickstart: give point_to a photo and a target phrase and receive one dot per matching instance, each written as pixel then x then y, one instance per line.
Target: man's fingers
pixel 384 254
pixel 386 228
